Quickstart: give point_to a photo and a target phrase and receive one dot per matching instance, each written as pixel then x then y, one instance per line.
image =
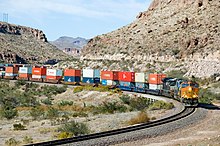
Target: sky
pixel 73 18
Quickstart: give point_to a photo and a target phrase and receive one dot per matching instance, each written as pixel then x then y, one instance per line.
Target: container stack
pixel 140 82
pixel 11 72
pixel 126 80
pixel 25 73
pixel 38 73
pixel 155 81
pixel 109 78
pixel 53 75
pixel 72 76
pixel 2 70
pixel 91 76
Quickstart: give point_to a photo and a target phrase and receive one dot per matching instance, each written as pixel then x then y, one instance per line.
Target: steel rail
pixel 184 113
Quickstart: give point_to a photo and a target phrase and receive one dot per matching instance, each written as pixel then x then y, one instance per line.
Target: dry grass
pixel 142 117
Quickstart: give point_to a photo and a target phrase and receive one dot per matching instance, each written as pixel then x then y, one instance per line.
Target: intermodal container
pixel 109 75
pixel 155 86
pixel 72 72
pixel 38 76
pixel 11 69
pixel 24 75
pixel 10 74
pixel 129 86
pixel 2 73
pixel 141 85
pixel 7 65
pixel 72 79
pixel 156 78
pixel 39 71
pixel 25 70
pixel 91 73
pixel 54 72
pixel 141 77
pixel 126 76
pixel 53 77
pixel 109 82
pixel 91 80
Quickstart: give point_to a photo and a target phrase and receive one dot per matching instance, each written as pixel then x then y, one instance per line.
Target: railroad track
pixel 184 113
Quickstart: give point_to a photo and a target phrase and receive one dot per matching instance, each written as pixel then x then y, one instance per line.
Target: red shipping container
pixel 53 77
pixel 10 69
pixel 126 76
pixel 25 75
pixel 39 71
pixel 72 72
pixel 109 75
pixel 156 78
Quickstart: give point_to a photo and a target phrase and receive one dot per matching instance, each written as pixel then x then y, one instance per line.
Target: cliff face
pixel 20 44
pixel 170 35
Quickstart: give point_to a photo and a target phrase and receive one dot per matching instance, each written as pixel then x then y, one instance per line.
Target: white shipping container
pixel 54 72
pixel 155 86
pixel 111 82
pixel 10 74
pixel 88 73
pixel 23 70
pixel 38 76
pixel 140 77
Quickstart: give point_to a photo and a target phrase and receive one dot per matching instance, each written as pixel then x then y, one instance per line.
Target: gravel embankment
pixel 147 133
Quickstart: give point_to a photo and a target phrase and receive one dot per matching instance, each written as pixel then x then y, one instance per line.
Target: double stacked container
pixel 126 80
pixel 53 75
pixel 38 73
pixel 72 76
pixel 155 81
pixel 25 73
pixel 11 71
pixel 2 70
pixel 140 82
pixel 91 76
pixel 109 78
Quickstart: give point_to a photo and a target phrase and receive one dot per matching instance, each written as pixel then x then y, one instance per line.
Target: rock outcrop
pixel 20 44
pixel 170 34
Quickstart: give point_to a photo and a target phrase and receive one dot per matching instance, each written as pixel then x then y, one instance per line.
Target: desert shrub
pixel 78 89
pixel 36 113
pixel 64 135
pixel 109 107
pixel 161 105
pixel 74 128
pixel 206 96
pixel 19 83
pixel 65 103
pixel 47 101
pixel 19 126
pixel 80 114
pixel 125 99
pixel 27 140
pixel 9 112
pixel 52 113
pixel 142 117
pixel 12 142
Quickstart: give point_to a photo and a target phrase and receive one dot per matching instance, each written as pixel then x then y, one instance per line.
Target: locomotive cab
pixel 189 93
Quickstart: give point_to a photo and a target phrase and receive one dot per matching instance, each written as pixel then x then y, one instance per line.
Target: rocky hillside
pixel 69 42
pixel 170 35
pixel 19 44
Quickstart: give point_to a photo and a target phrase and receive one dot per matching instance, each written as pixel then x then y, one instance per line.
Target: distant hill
pixel 69 42
pixel 20 44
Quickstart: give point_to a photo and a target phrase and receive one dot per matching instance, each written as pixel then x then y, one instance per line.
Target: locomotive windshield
pixel 184 85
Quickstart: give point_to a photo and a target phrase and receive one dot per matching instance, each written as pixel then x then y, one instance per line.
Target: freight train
pixel 157 84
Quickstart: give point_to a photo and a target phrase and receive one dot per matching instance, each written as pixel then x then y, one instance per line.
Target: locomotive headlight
pixel 190 89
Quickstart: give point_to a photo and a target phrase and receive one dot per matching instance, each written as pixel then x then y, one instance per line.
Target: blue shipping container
pixel 91 80
pixel 104 82
pixel 96 73
pixel 71 79
pixel 128 86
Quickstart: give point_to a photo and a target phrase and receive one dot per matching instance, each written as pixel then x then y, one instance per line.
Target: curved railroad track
pixel 72 141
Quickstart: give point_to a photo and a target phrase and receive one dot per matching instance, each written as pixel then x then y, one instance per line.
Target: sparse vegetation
pixel 142 117
pixel 74 129
pixel 37 113
pixel 99 88
pixel 27 140
pixel 161 105
pixel 206 96
pixel 12 142
pixel 19 126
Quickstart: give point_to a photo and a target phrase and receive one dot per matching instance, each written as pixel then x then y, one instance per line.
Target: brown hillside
pixel 171 34
pixel 19 44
